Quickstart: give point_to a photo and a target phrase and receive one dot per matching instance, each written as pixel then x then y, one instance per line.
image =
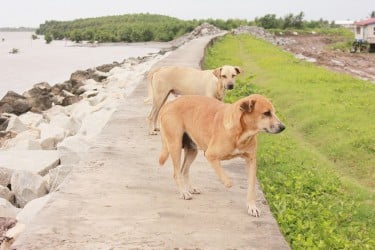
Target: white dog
pixel 186 81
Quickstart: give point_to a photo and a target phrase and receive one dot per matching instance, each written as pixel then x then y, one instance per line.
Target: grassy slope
pixel 319 174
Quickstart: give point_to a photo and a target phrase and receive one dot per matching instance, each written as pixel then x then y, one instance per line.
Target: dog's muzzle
pixel 276 129
pixel 230 86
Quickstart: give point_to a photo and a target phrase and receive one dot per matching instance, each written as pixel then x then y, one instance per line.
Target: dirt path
pixel 315 46
pixel 119 198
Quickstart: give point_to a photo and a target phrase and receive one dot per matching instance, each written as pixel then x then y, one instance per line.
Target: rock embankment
pixel 47 130
pixel 261 33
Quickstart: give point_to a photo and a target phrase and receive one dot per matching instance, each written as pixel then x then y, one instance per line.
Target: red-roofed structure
pixel 365 30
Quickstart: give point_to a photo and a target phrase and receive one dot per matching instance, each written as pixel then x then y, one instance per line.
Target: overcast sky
pixel 31 13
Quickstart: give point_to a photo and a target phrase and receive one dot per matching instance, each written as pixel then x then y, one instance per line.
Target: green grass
pixel 318 175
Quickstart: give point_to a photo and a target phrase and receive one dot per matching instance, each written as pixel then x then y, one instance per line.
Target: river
pixel 37 61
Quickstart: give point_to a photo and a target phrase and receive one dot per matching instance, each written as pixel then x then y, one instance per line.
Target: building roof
pixel 365 22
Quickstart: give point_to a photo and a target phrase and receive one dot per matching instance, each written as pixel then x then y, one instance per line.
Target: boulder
pixel 94 123
pixel 4 121
pixel 5 193
pixel 69 124
pixel 54 111
pixel 56 176
pixel 50 135
pixel 81 109
pixel 31 209
pixel 15 124
pixel 24 140
pixel 7 209
pixel 40 97
pixel 10 236
pixel 31 119
pixel 72 149
pixel 6 223
pixel 35 161
pixel 27 186
pixel 69 100
pixel 107 67
pixel 5 136
pixel 5 175
pixel 14 103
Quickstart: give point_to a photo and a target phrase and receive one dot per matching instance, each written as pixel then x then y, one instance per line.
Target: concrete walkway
pixel 119 198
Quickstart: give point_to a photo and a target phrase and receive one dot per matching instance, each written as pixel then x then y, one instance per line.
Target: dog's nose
pixel 230 86
pixel 281 127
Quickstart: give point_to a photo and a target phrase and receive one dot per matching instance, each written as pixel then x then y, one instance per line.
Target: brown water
pixel 37 61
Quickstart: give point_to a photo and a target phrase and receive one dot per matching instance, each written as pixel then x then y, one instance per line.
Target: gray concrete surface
pixel 119 198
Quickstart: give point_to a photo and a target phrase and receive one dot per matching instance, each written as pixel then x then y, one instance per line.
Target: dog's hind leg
pixel 190 153
pixel 175 150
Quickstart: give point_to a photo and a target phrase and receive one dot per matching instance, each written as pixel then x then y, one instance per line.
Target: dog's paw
pixel 186 195
pixel 253 210
pixel 228 183
pixel 194 190
pixel 152 133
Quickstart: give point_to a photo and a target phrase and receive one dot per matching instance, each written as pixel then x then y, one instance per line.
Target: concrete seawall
pixel 119 198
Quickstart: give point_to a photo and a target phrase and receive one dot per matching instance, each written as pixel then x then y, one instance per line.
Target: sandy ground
pixel 358 64
pixel 119 198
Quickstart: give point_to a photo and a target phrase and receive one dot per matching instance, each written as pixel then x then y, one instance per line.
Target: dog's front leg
pixel 251 170
pixel 215 163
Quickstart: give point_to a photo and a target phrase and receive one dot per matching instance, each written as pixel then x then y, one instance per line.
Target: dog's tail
pixel 150 75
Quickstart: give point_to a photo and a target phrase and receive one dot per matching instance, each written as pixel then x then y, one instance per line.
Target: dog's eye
pixel 268 113
pixel 224 76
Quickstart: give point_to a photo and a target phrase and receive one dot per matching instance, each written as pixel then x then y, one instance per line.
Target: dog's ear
pixel 217 72
pixel 234 112
pixel 247 106
pixel 238 69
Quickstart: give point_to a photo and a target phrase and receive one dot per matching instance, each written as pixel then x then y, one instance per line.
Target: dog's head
pixel 254 113
pixel 226 75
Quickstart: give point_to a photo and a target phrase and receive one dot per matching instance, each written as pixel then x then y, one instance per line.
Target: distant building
pixel 346 24
pixel 365 31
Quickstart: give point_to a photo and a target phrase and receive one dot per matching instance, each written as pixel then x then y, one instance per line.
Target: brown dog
pixel 186 81
pixel 223 131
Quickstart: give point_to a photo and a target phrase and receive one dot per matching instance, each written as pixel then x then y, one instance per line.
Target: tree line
pixel 151 27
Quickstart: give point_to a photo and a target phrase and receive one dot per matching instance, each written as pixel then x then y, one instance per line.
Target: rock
pixel 72 149
pixel 15 124
pixel 40 97
pixel 5 175
pixel 5 136
pixel 27 186
pixel 69 124
pixel 261 33
pixel 24 140
pixel 35 161
pixel 107 67
pixel 50 135
pixel 94 123
pixel 28 213
pixel 54 111
pixel 11 235
pixel 338 63
pixel 56 176
pixel 81 109
pixel 7 209
pixel 6 223
pixel 69 100
pixel 5 193
pixel 31 119
pixel 14 103
pixel 4 121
